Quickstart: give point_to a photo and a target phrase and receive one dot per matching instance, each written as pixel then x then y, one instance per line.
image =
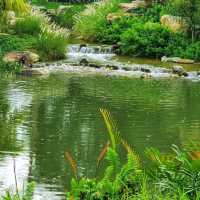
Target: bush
pixel 148 39
pixel 15 43
pixel 52 43
pixel 92 22
pixel 30 25
pixel 66 18
pixel 193 51
pixel 113 31
pixel 9 68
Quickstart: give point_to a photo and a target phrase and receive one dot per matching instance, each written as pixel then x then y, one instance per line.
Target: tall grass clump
pixel 52 42
pixel 91 23
pixel 19 6
pixel 30 25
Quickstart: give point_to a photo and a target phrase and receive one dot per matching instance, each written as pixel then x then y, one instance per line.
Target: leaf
pixel 72 163
pixel 103 153
pixel 111 127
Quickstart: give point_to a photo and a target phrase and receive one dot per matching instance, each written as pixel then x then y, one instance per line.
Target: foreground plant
pixel 28 195
pixel 169 176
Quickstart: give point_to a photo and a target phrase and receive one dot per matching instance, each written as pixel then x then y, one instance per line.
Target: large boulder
pixel 174 23
pixel 179 70
pixel 177 60
pixel 25 57
pixel 133 5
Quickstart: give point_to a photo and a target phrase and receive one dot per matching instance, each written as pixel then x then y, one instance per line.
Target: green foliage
pixel 193 51
pixel 149 39
pixel 10 68
pixel 46 4
pixel 66 17
pixel 28 195
pixel 168 176
pixel 30 25
pixel 19 6
pixel 52 44
pixel 91 23
pixel 190 11
pixel 16 43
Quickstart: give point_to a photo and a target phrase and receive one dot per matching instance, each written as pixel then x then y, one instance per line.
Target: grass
pixel 91 23
pixel 52 43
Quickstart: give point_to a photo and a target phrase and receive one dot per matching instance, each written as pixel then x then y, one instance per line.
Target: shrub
pixel 193 51
pixel 52 43
pixel 91 23
pixel 148 39
pixel 15 43
pixel 66 18
pixel 30 25
pixel 9 68
pixel 113 31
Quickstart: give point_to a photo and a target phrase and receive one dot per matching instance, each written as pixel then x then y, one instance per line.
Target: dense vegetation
pixel 31 30
pixel 168 176
pixel 140 33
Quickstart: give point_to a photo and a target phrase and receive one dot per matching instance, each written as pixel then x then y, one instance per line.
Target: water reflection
pixel 42 118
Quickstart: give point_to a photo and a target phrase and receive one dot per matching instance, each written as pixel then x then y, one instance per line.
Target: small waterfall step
pixel 90 49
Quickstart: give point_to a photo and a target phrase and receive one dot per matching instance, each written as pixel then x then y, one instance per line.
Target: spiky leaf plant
pixel 18 6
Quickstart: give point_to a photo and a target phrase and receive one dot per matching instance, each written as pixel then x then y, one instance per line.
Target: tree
pixel 190 11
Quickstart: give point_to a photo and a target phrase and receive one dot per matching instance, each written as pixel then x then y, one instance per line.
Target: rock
pixel 179 70
pixel 26 57
pixel 81 46
pixel 112 67
pixel 93 65
pixel 127 68
pixel 145 76
pixel 174 23
pixel 177 60
pixel 146 70
pixel 133 5
pixel 84 62
pixel 51 12
pixel 114 16
pixel 115 48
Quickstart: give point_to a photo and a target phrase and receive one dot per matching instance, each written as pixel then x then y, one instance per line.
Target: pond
pixel 42 118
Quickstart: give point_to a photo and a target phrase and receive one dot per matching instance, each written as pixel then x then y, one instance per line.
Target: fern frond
pixel 132 154
pixel 111 127
pixel 73 163
pixel 102 154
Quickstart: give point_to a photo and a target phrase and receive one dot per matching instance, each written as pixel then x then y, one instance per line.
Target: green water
pixel 41 118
